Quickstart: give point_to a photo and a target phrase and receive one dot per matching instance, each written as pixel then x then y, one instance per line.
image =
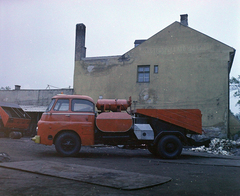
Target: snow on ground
pixel 221 147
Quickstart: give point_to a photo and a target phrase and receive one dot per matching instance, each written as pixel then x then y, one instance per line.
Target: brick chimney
pixel 184 19
pixel 80 49
pixel 138 42
pixel 17 87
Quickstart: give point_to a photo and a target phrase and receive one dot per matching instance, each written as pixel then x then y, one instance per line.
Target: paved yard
pixel 192 174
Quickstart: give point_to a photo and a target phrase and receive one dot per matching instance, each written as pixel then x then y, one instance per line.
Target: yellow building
pixel 178 67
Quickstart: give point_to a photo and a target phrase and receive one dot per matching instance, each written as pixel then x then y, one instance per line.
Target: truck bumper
pixel 36 139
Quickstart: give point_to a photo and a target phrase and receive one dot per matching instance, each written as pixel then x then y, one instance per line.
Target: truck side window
pixel 62 105
pixel 81 105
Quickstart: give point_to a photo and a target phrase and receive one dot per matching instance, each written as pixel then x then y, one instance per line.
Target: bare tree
pixel 5 88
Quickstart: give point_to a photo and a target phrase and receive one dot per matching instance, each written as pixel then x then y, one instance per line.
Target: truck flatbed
pixel 190 119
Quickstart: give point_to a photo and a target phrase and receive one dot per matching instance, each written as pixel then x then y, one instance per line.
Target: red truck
pixel 71 121
pixel 13 120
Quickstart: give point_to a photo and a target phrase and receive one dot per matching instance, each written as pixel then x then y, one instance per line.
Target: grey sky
pixel 37 38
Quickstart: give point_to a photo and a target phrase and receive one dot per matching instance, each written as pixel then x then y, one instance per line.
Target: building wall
pixel 193 73
pixel 31 97
pixel 234 127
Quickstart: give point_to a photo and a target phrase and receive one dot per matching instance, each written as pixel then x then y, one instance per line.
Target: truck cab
pixel 68 116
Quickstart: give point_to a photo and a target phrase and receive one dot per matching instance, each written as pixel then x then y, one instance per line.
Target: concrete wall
pixel 31 97
pixel 234 127
pixel 193 73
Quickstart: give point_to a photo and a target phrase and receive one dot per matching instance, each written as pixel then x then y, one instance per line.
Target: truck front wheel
pixel 68 144
pixel 169 147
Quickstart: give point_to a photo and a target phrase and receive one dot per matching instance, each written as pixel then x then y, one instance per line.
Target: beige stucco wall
pixel 193 73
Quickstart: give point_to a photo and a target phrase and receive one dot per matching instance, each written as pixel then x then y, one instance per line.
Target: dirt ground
pixel 192 174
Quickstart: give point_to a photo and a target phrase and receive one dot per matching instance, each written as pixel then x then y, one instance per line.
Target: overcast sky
pixel 37 37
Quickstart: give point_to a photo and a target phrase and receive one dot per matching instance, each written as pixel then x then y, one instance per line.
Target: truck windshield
pixel 50 105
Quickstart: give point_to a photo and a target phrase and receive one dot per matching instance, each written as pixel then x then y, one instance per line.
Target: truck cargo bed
pixel 189 119
pixel 13 116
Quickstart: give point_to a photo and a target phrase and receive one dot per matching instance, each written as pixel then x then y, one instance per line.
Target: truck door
pixel 59 116
pixel 83 118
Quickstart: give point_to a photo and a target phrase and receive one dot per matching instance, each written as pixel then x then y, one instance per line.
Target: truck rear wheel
pixel 68 144
pixel 169 147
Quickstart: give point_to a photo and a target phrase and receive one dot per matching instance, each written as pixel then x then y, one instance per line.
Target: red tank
pixel 114 105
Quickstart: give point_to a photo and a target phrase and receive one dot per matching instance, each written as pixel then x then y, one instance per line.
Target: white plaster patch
pixel 90 68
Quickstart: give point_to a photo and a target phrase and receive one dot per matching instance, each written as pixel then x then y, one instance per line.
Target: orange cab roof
pixel 63 96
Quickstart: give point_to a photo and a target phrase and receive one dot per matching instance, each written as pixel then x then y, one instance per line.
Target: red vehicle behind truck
pixel 13 120
pixel 71 121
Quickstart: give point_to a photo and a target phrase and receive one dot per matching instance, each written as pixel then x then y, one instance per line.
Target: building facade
pixel 176 68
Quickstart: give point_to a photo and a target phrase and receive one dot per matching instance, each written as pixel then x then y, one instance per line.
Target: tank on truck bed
pixel 14 121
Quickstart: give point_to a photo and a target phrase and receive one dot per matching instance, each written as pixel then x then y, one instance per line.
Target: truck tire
pixel 15 135
pixel 169 147
pixel 68 144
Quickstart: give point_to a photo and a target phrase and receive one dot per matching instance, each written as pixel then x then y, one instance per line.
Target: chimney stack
pixel 138 42
pixel 184 19
pixel 80 49
pixel 17 87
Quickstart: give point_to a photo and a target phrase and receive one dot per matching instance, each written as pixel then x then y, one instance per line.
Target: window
pixel 155 68
pixel 50 105
pixel 62 105
pixel 143 73
pixel 81 105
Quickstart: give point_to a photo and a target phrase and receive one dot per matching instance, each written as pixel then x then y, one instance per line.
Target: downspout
pixel 228 110
pixel 230 62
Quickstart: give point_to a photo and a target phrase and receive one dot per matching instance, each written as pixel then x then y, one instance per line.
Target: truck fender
pixel 62 131
pixel 181 136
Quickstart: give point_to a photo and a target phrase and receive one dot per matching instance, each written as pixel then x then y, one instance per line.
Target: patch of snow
pixel 4 157
pixel 221 147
